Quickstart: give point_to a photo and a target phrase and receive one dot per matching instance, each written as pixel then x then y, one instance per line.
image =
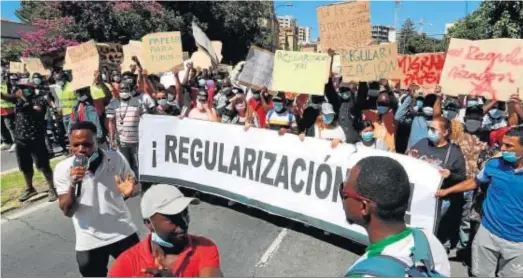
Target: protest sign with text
pixel 34 65
pixel 200 59
pixel 277 174
pixel 493 68
pixel 344 25
pixel 203 42
pixel 16 67
pixel 84 61
pixel 111 55
pixel 300 72
pixel 423 69
pixel 370 63
pixel 134 48
pixel 162 51
pixel 257 71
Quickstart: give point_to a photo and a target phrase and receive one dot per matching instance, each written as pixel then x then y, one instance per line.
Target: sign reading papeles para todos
pixel 281 179
pixel 493 68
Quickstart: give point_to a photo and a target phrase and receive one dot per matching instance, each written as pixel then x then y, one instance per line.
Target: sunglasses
pixel 352 195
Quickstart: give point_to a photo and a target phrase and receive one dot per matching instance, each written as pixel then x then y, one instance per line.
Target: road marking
pixel 27 211
pixel 272 248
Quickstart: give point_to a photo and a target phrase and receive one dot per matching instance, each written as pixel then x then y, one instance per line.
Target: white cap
pixel 326 108
pixel 164 199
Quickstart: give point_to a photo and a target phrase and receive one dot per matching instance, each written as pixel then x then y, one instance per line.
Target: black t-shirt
pixel 425 150
pixel 30 123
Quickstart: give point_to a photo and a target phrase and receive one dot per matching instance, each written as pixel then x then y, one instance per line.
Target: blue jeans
pixel 464 225
pixel 66 119
pixel 449 219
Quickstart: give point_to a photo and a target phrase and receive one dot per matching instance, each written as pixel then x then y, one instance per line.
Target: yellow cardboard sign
pixel 84 61
pixel 16 67
pixel 300 72
pixel 370 63
pixel 162 51
pixel 34 65
pixel 134 48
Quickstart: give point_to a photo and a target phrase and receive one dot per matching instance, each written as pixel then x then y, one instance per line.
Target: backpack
pixel 387 266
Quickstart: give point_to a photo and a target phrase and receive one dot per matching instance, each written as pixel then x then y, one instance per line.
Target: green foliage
pixel 11 51
pixel 410 42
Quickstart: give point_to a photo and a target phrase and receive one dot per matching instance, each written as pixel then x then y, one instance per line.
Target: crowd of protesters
pixel 475 143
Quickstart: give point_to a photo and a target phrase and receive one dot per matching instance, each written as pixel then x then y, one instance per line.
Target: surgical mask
pixel 60 83
pixel 419 103
pixel 256 96
pixel 278 106
pixel 104 77
pixel 158 240
pixel 117 78
pixel 82 98
pixel 37 81
pixel 428 111
pixel 345 95
pixel 125 95
pixel 162 102
pixel 27 92
pixel 170 97
pixel 495 113
pixel 328 118
pixel 383 109
pixel 367 136
pixel 510 156
pixel 472 103
pixel 434 136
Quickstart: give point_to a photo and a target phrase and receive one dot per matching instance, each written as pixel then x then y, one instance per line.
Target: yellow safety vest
pixel 97 92
pixel 5 104
pixel 67 99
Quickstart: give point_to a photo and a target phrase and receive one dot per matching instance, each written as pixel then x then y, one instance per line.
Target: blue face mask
pixel 158 240
pixel 510 156
pixel 434 136
pixel 345 95
pixel 383 109
pixel 367 136
pixel 328 118
pixel 495 113
pixel 419 103
pixel 472 103
pixel 278 106
pixel 162 102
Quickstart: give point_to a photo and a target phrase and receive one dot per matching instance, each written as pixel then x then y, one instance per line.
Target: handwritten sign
pixel 370 63
pixel 257 71
pixel 344 25
pixel 423 69
pixel 201 59
pixel 493 68
pixel 34 65
pixel 16 67
pixel 111 55
pixel 300 72
pixel 162 51
pixel 134 48
pixel 84 61
pixel 308 49
pixel 217 46
pixel 203 41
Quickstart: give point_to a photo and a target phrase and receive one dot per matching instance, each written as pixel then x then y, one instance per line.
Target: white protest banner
pixel 284 179
pixel 300 72
pixel 344 25
pixel 162 51
pixel 370 63
pixel 203 41
pixel 493 68
pixel 257 71
pixel 84 61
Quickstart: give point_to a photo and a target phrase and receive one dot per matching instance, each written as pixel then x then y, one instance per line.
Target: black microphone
pixel 79 161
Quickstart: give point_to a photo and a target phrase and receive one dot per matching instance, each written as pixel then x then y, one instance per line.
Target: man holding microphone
pixel 92 186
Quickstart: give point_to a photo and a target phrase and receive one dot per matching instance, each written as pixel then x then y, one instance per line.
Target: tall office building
pixel 286 21
pixel 382 33
pixel 304 35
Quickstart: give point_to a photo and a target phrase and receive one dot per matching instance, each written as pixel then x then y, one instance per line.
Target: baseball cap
pixel 326 108
pixel 164 199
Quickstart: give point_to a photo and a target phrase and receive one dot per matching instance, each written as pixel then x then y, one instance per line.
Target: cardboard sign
pixel 16 67
pixel 34 65
pixel 370 63
pixel 257 71
pixel 84 61
pixel 300 72
pixel 111 55
pixel 162 51
pixel 493 68
pixel 185 55
pixel 423 69
pixel 130 50
pixel 344 25
pixel 201 59
pixel 308 49
pixel 217 46
pixel 53 59
pixel 203 42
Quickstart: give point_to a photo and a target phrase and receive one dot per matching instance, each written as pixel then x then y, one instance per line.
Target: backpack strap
pixel 379 266
pixel 422 252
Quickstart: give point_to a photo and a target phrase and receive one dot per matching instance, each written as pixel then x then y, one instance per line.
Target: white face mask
pixel 125 95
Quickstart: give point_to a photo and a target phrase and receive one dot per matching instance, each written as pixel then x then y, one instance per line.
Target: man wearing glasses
pixel 377 199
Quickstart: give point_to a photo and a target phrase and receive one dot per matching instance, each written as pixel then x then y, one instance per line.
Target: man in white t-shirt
pixel 93 197
pixel 376 196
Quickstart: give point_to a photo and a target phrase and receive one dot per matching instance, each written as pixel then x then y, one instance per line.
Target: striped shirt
pixel 127 115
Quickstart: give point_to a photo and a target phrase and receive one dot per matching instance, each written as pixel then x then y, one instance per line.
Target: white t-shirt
pixel 379 144
pixel 330 133
pixel 400 247
pixel 127 115
pixel 102 216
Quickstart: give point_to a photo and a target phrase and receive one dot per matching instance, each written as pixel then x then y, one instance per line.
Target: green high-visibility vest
pixel 67 99
pixel 5 104
pixel 97 92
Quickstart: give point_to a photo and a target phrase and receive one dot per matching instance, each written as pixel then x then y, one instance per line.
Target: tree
pixel 492 19
pixel 411 42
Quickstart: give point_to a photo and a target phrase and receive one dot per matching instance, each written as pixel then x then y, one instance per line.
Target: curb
pixel 40 196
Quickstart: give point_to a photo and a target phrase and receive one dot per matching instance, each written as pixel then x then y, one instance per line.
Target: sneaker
pixel 51 196
pixel 12 149
pixel 28 193
pixel 4 146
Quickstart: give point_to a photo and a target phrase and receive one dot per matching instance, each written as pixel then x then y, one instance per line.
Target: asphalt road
pixel 8 161
pixel 251 243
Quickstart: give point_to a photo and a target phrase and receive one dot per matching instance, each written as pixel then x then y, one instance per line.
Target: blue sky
pixel 435 14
